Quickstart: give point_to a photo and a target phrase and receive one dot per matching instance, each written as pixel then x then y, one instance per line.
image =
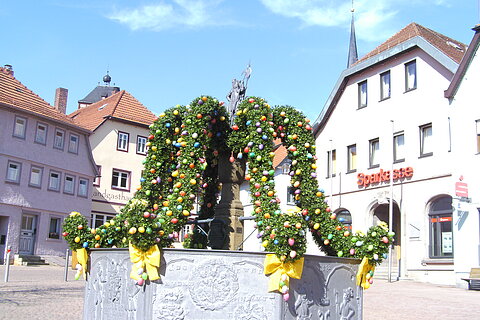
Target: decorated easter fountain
pixel 132 273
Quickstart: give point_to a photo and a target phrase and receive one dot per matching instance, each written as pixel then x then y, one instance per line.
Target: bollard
pixel 67 255
pixel 7 267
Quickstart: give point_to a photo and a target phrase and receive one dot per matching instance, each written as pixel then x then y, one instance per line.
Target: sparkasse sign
pixel 364 180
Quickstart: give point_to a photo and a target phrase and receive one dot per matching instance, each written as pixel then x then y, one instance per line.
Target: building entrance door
pixel 381 213
pixel 27 234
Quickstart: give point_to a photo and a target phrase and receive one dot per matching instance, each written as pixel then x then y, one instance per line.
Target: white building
pixel 387 111
pixel 119 125
pixel 465 124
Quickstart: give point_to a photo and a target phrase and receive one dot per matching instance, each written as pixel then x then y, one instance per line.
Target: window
pixel 410 75
pixel 141 145
pixel 82 187
pixel 285 166
pixel 426 147
pixel 100 219
pixel 36 177
pixel 69 184
pixel 374 148
pixel 331 163
pixel 73 143
pixel 352 158
pixel 290 195
pixel 385 85
pixel 54 181
pixel 96 182
pixel 13 171
pixel 20 127
pixel 59 139
pixel 478 135
pixel 122 142
pixel 440 221
pixel 345 218
pixel 54 231
pixel 41 133
pixel 399 147
pixel 120 179
pixel 362 94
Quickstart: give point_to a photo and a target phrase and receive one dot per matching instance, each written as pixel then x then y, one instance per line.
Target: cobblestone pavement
pixel 41 293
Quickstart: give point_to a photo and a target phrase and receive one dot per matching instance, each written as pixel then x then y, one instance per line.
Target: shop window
pixel 59 140
pixel 54 181
pixel 73 143
pixel 41 133
pixel 374 147
pixel 362 94
pixel 35 177
pixel 120 179
pixel 54 231
pixel 331 163
pixel 99 219
pixel 13 171
pixel 426 143
pixel 385 85
pixel 122 141
pixel 399 147
pixel 440 224
pixel 410 75
pixel 141 145
pixel 352 158
pixel 20 127
pixel 345 218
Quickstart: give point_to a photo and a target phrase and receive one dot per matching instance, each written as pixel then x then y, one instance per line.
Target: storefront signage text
pixel 364 180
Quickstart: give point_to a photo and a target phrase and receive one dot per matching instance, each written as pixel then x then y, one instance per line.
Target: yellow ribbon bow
pixel 148 260
pixel 363 270
pixel 275 268
pixel 82 258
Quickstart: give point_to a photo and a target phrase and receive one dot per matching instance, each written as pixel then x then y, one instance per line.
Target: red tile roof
pixel 280 154
pixel 121 105
pixel 452 48
pixel 15 95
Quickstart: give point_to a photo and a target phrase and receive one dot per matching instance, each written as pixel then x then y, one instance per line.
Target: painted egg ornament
pixel 77 239
pixel 293 254
pixel 85 244
pixel 140 282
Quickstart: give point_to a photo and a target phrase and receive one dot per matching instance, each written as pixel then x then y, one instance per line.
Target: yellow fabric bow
pixel 148 260
pixel 82 258
pixel 363 269
pixel 275 268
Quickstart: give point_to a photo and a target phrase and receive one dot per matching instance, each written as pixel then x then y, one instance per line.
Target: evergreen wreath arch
pixel 182 166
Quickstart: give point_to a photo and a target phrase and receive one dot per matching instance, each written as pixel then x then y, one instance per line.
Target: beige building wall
pixel 107 199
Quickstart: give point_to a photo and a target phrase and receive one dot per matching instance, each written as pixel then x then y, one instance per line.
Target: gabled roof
pixel 120 106
pixel 14 94
pixel 280 155
pixel 464 64
pixel 446 51
pixel 99 93
pixel 452 48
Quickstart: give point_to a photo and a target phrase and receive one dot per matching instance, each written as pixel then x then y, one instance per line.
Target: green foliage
pixel 76 231
pixel 182 165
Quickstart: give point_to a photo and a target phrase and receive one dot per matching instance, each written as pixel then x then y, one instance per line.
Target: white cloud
pixel 372 17
pixel 163 15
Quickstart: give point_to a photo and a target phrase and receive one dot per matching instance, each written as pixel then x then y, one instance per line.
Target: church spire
pixel 352 49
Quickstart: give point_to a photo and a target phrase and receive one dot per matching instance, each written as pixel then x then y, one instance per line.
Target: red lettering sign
pixel 364 180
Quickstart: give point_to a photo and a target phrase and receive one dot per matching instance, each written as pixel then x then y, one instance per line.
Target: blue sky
pixel 167 52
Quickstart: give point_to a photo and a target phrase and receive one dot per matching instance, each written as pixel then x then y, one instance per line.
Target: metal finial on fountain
pixel 237 93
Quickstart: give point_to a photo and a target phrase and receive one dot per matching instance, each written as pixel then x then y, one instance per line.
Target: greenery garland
pixel 182 165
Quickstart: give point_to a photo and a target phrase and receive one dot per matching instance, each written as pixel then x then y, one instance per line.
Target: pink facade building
pixel 46 169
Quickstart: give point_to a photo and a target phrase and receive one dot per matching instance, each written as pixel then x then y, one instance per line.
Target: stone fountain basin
pixel 217 284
